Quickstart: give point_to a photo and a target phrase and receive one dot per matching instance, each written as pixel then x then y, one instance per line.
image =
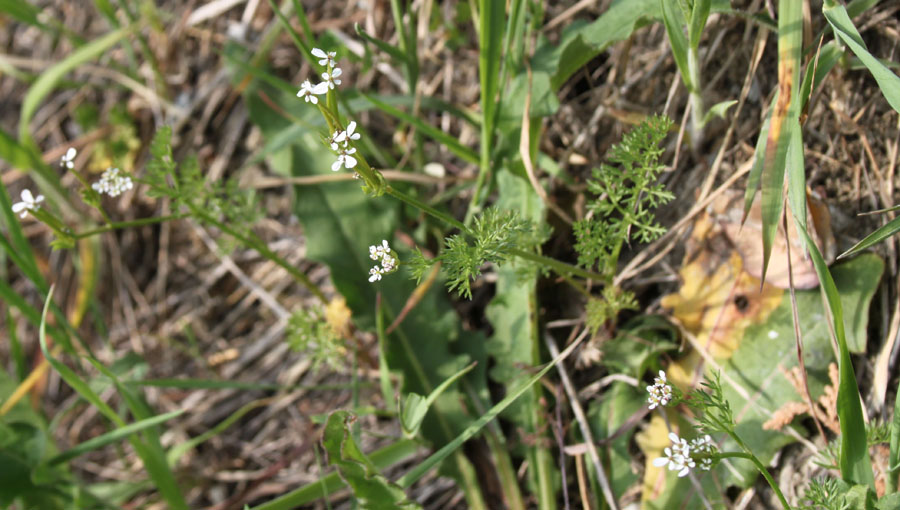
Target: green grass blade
pixel 894 456
pixel 22 11
pixel 855 464
pixel 436 134
pixel 112 437
pixel 298 42
pixel 434 459
pixel 790 35
pixel 828 56
pixel 491 26
pixel 796 174
pixel 180 449
pixel 673 19
pixel 400 451
pixel 69 376
pixel 882 233
pixel 395 52
pixel 699 15
pixel 843 27
pixel 48 79
pixel 152 454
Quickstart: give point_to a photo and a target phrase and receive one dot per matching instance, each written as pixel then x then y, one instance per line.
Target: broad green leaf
pixel 673 19
pixel 580 43
pixel 856 466
pixel 639 345
pixel 765 350
pixel 516 342
pixel 609 411
pixel 843 28
pixel 880 234
pixel 370 488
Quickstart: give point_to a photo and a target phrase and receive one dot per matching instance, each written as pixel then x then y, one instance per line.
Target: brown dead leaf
pixel 728 209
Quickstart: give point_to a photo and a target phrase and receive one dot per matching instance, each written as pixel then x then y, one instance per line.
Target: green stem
pixel 759 466
pixel 264 250
pixel 697 108
pixel 126 224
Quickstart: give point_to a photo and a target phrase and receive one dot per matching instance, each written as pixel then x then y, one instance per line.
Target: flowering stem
pixel 762 469
pixel 126 224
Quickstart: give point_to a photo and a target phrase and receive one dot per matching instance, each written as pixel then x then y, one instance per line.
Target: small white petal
pixel 316 52
pixel 660 461
pixel 336 165
pixel 320 88
pixel 19 207
pixel 335 73
pixel 71 153
pixel 27 197
pixel 349 161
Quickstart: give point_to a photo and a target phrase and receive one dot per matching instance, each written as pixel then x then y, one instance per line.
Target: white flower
pixel 28 203
pixel 703 445
pixel 325 58
pixel 660 393
pixel 678 457
pixel 331 79
pixel 386 256
pixel 68 159
pixel 349 134
pixel 113 183
pixel 344 159
pixel 308 91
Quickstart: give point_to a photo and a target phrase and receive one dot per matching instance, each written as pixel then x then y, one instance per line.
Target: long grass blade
pixel 48 79
pixel 673 19
pixel 439 136
pixel 882 233
pixel 419 471
pixel 855 464
pixel 790 35
pixel 844 29
pixel 112 437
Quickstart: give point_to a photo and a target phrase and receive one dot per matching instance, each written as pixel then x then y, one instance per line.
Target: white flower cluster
pixel 113 183
pixel 29 203
pixel 679 456
pixel 340 143
pixel 660 392
pixel 386 256
pixel 340 140
pixel 68 159
pixel 308 91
